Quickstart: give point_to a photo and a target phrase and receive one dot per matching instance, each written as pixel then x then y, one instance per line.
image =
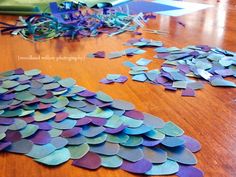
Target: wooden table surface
pixel 210 117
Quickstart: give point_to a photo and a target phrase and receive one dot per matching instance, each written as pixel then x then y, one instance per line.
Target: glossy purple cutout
pixel 59 89
pixel 139 167
pixel 194 53
pixel 71 132
pixel 98 121
pixel 204 48
pixel 86 93
pixel 90 161
pixel 188 92
pixel 4 145
pixel 48 95
pixel 99 54
pixel 106 81
pixel 167 75
pixel 83 121
pixel 184 68
pixel 6 121
pixel 170 88
pixel 95 101
pixel 134 114
pixel 19 71
pixel 121 79
pixel 7 97
pixel 151 143
pixel 60 116
pixel 43 125
pixel 28 119
pixel 115 130
pixel 12 136
pixel 192 144
pixel 189 171
pixel 43 106
pixel 41 138
pixel 161 80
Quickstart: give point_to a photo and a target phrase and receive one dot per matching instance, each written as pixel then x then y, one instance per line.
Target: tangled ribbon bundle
pixel 73 20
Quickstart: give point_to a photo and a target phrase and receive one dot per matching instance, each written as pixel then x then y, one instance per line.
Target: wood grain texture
pixel 210 117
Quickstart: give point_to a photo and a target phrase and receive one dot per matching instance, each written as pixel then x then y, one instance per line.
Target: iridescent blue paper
pixel 91 128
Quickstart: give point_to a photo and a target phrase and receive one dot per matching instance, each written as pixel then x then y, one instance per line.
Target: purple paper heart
pixel 60 116
pixel 188 92
pixel 189 171
pixel 71 132
pixel 95 102
pixel 12 136
pixel 43 106
pixel 28 119
pixel 140 167
pixel 6 121
pixel 7 97
pixel 115 130
pixel 19 71
pixel 121 79
pixel 98 121
pixel 151 143
pixel 48 95
pixel 106 81
pixel 90 161
pixel 43 125
pixel 134 114
pixel 161 80
pixel 86 93
pixel 41 138
pixel 192 144
pixel 83 121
